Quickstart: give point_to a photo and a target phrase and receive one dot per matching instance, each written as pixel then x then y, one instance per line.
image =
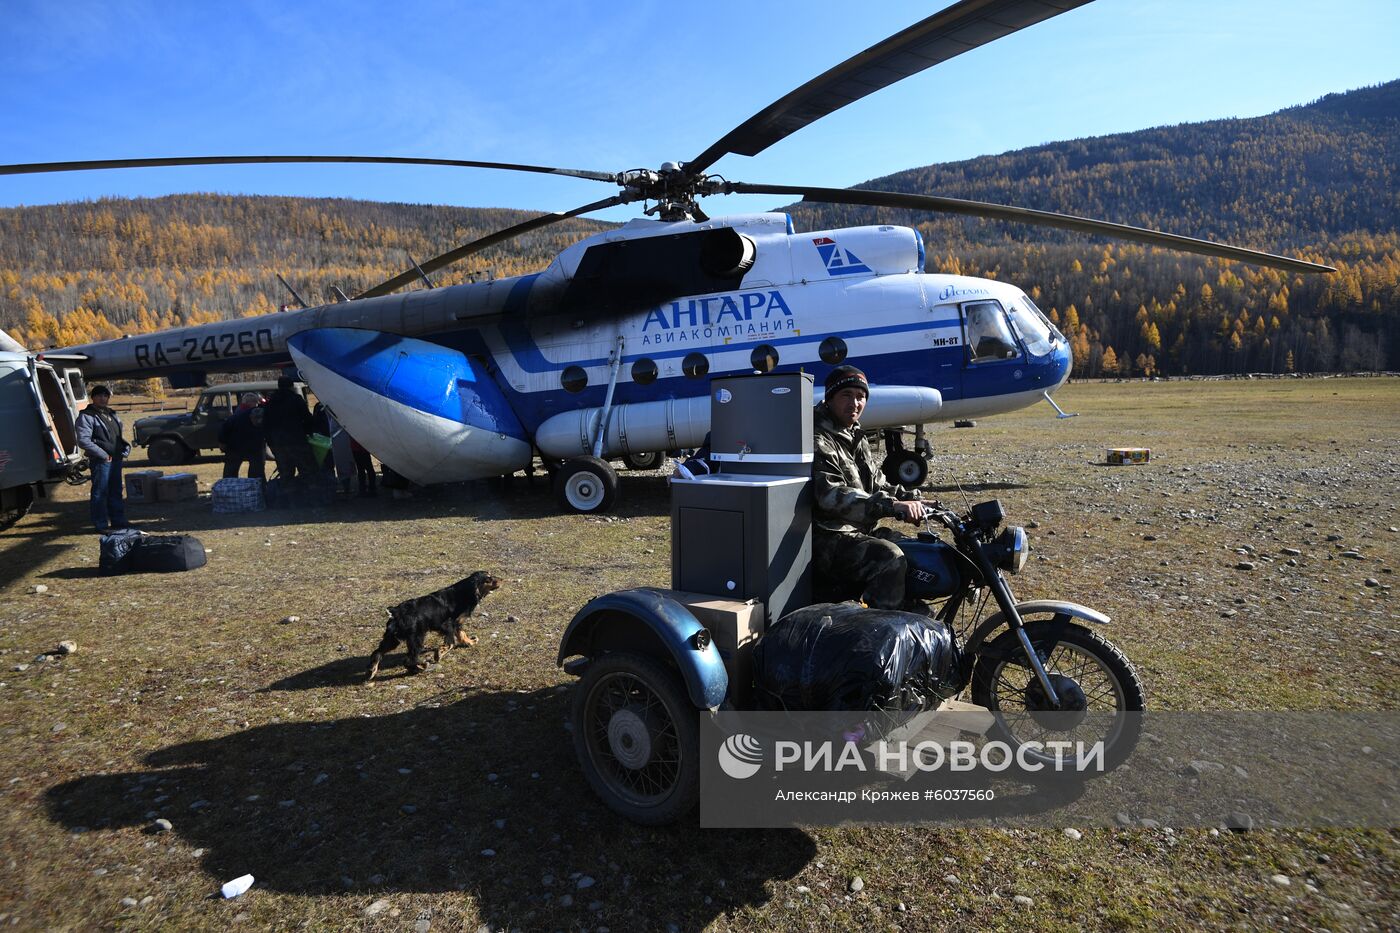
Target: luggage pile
pixel 842 656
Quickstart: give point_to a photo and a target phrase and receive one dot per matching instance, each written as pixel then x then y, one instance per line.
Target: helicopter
pixel 607 352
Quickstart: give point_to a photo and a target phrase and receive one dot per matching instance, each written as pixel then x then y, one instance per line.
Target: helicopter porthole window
pixel 833 350
pixel 644 372
pixel 695 365
pixel 764 358
pixel 573 379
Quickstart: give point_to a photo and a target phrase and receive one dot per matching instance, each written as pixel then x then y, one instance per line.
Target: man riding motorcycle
pixel 851 495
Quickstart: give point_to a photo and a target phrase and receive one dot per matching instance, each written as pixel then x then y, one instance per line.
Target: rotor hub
pixel 672 188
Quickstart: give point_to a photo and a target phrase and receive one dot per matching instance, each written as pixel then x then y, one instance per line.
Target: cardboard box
pixel 1119 456
pixel 952 720
pixel 141 485
pixel 177 487
pixel 735 626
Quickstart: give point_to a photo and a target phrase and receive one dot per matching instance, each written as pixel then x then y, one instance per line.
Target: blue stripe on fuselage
pixel 528 357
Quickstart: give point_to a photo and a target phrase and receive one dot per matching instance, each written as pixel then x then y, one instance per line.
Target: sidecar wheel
pixel 1093 675
pixel 637 737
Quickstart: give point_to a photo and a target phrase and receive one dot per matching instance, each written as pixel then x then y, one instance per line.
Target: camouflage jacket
pixel 848 489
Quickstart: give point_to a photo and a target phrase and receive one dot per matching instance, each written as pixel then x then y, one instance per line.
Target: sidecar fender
pixel 648 621
pixel 1063 612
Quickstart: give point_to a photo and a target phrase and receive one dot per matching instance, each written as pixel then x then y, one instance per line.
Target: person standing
pixel 342 455
pixel 100 437
pixel 286 422
pixel 242 438
pixel 364 468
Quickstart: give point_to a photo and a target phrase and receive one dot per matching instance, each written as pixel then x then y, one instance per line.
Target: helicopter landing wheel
pixel 586 485
pixel 906 468
pixel 648 460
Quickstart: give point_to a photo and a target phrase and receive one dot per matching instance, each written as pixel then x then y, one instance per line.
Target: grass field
pixel 191 699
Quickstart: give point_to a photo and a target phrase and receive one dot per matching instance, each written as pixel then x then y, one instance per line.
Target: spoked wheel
pixel 649 460
pixel 637 738
pixel 1095 682
pixel 586 484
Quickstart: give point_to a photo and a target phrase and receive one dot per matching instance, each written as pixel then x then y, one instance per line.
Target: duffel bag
pixel 166 553
pixel 238 494
pixel 116 550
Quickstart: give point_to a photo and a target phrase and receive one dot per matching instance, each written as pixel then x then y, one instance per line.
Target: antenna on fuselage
pixel 297 298
pixel 421 274
pixel 339 295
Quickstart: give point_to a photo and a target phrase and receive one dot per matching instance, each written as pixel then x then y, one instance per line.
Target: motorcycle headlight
pixel 1012 549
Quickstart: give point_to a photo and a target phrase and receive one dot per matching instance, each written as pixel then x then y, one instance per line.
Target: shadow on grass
pixel 639 494
pixel 41 535
pixel 327 808
pixel 481 500
pixel 75 573
pixel 342 672
pixel 977 487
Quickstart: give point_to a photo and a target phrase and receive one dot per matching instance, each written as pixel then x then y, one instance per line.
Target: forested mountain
pixel 95 269
pixel 1320 181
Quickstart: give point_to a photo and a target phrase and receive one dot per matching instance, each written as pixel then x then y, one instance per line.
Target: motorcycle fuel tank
pixel 428 412
pixel 934 570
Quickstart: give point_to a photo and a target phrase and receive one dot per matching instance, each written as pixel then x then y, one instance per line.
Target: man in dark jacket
pixel 242 438
pixel 851 495
pixel 286 422
pixel 100 437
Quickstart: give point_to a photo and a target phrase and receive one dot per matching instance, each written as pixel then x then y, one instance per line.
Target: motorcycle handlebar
pixel 934 510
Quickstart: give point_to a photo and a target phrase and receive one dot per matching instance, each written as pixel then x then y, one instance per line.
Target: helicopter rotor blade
pixel 924 202
pixel 491 239
pixel 959 28
pixel 33 168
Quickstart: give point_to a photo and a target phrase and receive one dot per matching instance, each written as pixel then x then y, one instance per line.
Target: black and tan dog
pixel 442 612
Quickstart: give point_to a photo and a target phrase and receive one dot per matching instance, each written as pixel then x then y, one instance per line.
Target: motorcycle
pixel 1034 664
pixel 648 667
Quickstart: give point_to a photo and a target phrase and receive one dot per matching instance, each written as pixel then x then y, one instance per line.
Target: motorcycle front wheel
pixel 1101 695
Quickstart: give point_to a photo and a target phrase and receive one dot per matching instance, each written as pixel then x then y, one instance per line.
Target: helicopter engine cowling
pixel 640 427
pixel 669 424
pixel 428 412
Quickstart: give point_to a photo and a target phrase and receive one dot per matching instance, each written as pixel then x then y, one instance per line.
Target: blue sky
pixel 615 85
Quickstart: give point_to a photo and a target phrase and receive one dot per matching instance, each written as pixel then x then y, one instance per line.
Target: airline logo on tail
pixel 838 261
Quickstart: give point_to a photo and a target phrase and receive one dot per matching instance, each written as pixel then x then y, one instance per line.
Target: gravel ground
pixel 1249 565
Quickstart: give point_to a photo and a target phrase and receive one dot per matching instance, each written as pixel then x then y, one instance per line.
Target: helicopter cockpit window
pixel 988 334
pixel 1031 327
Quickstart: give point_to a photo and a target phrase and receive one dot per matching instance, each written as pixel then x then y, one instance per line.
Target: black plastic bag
pixel 842 656
pixel 116 550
